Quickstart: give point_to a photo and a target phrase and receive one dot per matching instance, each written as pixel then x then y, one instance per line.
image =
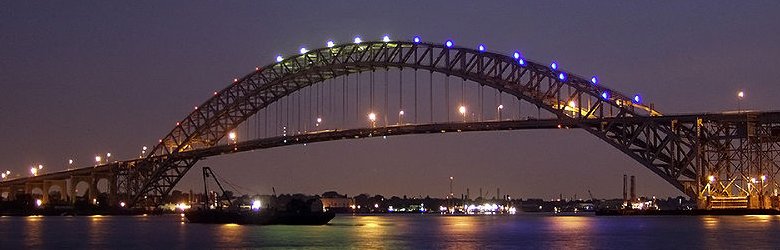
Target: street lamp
pixel 498 110
pixel 372 119
pixel 740 96
pixel 462 111
pixel 232 136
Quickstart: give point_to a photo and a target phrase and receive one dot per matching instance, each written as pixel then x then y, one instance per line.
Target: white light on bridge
pixel 711 178
pixel 38 202
pixel 763 178
pixel 562 76
pixel 462 110
pixel 70 161
pixel 637 99
pixel 122 204
pixel 554 65
pixel 594 80
pixel 232 136
pixel 386 38
pixel 741 94
pixel 34 171
pixel 516 55
pixel 449 43
pixel 279 58
pixel 304 50
pixel 416 39
pixel 358 40
pixel 98 159
pixel 572 104
pixel 108 155
pixel 40 166
pixel 331 44
pixel 481 48
pixel 501 106
pixel 372 117
pixel 401 112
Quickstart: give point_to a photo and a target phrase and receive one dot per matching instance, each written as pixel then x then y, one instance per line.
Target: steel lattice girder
pixel 660 148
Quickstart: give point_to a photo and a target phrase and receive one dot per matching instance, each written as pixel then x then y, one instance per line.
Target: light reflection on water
pixel 399 231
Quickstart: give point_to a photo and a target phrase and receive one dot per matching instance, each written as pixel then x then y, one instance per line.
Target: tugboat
pixel 283 212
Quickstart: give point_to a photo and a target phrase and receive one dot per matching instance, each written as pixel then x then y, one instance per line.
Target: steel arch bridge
pixel 702 155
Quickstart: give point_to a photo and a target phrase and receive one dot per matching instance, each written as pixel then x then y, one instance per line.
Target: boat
pixel 280 211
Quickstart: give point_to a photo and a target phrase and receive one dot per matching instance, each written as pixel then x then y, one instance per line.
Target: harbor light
pixel 449 43
pixel 386 38
pixel 331 44
pixel 279 58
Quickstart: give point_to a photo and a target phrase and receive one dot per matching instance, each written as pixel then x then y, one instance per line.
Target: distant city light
pixel 481 48
pixel 386 38
pixel 279 58
pixel 594 80
pixel 358 40
pixel 331 44
pixel 416 39
pixel 449 43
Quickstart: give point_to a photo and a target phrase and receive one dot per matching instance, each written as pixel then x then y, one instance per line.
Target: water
pixel 399 232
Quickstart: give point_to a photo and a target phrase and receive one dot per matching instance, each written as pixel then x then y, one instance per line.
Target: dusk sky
pixel 83 78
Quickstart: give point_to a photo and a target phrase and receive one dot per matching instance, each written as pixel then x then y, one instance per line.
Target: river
pixel 399 232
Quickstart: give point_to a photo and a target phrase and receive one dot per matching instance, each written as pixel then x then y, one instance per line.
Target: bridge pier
pixel 48 184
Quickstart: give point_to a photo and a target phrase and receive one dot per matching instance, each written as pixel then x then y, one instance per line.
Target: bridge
pixel 385 88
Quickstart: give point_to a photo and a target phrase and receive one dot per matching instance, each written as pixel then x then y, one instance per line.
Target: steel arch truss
pixel 663 148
